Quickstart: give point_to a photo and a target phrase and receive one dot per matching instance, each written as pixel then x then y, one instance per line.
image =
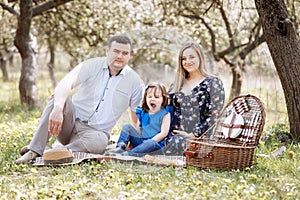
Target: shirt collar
pixel 121 72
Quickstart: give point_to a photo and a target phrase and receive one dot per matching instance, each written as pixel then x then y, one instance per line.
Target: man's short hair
pixel 123 39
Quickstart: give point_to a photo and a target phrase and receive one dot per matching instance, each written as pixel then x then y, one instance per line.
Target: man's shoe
pixel 24 150
pixel 30 155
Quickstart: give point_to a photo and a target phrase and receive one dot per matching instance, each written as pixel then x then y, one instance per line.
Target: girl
pixel 153 124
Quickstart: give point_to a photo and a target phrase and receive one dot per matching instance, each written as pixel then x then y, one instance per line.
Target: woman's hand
pixel 184 134
pixel 181 133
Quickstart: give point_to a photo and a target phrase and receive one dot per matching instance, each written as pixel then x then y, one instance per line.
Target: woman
pixel 196 96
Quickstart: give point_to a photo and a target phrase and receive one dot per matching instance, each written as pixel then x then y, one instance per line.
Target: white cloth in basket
pixel 232 125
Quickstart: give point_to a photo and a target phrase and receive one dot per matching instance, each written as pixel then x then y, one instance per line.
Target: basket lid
pixel 251 108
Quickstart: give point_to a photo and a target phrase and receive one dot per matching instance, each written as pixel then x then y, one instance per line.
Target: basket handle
pixel 197 154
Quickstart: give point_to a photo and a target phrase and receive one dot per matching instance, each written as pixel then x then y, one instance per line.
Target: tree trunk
pixel 51 64
pixel 284 46
pixel 23 42
pixel 236 85
pixel 3 66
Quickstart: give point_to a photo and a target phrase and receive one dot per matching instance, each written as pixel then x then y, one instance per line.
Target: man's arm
pixel 61 93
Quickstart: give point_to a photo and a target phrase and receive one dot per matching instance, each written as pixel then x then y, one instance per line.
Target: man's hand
pixel 55 121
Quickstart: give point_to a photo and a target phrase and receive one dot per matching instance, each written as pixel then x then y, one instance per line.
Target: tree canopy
pixel 228 30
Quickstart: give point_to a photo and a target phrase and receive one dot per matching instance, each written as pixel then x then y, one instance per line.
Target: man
pixel 106 87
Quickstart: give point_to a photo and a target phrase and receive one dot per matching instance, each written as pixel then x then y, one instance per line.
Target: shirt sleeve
pixel 87 69
pixel 213 106
pixel 137 97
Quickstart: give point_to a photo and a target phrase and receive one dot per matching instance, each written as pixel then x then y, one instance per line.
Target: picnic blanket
pixel 78 157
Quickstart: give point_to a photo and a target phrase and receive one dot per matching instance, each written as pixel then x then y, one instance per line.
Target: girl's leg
pixel 129 134
pixel 146 147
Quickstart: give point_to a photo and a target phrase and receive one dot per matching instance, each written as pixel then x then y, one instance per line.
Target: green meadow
pixel 268 178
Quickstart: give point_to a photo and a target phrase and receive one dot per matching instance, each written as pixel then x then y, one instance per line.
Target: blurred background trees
pixel 57 35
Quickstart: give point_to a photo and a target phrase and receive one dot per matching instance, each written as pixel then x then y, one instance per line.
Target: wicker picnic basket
pixel 234 137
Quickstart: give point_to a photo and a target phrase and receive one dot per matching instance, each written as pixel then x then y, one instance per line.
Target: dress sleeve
pixel 213 106
pixel 170 101
pixel 142 116
pixel 170 110
pixel 217 99
pixel 139 113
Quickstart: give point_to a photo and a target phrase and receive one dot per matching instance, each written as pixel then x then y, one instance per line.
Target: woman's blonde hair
pixel 181 73
pixel 156 87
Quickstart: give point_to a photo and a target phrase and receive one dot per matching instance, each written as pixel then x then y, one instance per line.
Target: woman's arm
pixel 164 130
pixel 214 105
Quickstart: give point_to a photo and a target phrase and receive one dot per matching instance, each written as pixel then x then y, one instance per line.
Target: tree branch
pixel 38 10
pixel 258 40
pixel 229 32
pixel 194 15
pixel 9 9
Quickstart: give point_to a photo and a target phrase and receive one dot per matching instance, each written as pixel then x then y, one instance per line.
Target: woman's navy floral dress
pixel 196 112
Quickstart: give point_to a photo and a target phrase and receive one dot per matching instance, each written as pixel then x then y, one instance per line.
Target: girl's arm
pixel 134 118
pixel 137 127
pixel 136 122
pixel 164 130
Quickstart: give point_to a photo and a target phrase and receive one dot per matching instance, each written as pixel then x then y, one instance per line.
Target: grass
pixel 269 178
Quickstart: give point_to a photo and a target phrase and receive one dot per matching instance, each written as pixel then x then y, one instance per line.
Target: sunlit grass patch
pixel 268 178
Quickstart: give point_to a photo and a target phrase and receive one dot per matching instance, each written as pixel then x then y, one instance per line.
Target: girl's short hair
pixel 157 87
